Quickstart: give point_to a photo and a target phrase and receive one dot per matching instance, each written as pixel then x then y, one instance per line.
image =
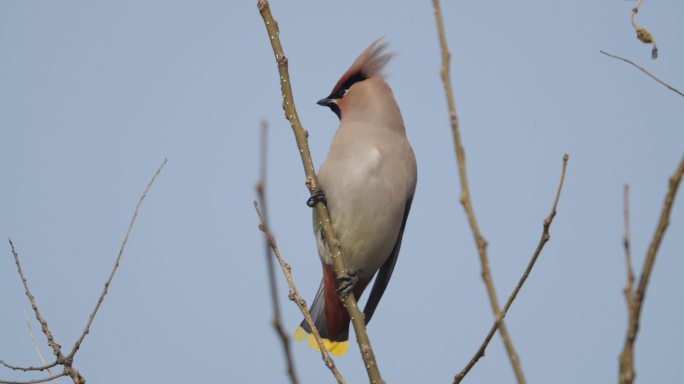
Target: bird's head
pixel 357 85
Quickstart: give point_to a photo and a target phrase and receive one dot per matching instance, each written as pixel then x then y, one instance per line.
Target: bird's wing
pixel 386 270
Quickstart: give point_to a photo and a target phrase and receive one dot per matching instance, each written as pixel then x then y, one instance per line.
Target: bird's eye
pixel 342 89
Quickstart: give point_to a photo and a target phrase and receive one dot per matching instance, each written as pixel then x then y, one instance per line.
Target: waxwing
pixel 368 180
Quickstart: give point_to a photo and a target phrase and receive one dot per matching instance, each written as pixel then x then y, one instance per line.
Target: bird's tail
pixel 337 346
pixel 329 315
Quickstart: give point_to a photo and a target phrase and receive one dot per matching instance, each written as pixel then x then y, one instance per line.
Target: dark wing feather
pixel 317 312
pixel 386 270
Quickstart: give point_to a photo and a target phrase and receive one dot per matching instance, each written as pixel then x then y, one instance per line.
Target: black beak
pixel 327 102
pixel 332 104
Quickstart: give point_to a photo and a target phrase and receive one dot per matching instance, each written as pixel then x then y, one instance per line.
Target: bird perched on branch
pixel 368 181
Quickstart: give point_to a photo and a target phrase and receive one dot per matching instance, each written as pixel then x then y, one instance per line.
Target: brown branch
pixel 26 369
pixel 642 33
pixel 294 295
pixel 480 241
pixel 67 361
pixel 43 367
pixel 105 289
pixel 56 348
pixel 261 196
pixel 348 301
pixel 673 89
pixel 43 380
pixel 91 317
pixel 34 341
pixel 627 373
pixel 629 285
pixel 500 316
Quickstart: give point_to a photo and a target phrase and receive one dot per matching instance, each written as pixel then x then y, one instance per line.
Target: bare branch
pixel 56 348
pixel 629 285
pixel 91 317
pixel 43 380
pixel 67 361
pixel 26 369
pixel 499 318
pixel 480 241
pixel 261 196
pixel 673 89
pixel 35 342
pixel 294 296
pixel 627 373
pixel 348 301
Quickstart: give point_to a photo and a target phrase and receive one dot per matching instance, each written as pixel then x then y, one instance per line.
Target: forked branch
pixel 67 361
pixel 294 295
pixel 500 316
pixel 627 373
pixel 480 241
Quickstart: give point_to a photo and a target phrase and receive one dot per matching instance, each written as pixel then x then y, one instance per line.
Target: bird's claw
pixel 347 282
pixel 315 198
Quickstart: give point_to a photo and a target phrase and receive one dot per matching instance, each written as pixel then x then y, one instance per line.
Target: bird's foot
pixel 315 198
pixel 347 282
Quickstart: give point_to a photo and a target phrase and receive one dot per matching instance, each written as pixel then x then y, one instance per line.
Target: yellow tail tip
pixel 337 348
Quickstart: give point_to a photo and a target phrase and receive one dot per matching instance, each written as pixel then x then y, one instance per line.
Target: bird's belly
pixel 367 240
pixel 366 208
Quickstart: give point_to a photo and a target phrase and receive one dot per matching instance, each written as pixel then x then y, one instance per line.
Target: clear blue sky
pixel 94 95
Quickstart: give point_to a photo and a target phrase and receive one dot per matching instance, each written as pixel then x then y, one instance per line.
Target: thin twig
pixel 500 316
pixel 43 380
pixel 642 33
pixel 629 285
pixel 26 369
pixel 35 342
pixel 673 89
pixel 56 348
pixel 294 295
pixel 261 197
pixel 91 317
pixel 627 373
pixel 348 301
pixel 480 241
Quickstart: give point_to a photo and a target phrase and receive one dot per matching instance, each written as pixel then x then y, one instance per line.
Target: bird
pixel 367 180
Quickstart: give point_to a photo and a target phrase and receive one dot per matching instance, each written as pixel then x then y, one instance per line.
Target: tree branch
pixel 673 89
pixel 500 316
pixel 480 241
pixel 26 369
pixel 67 361
pixel 43 380
pixel 35 342
pixel 348 301
pixel 261 196
pixel 294 295
pixel 56 348
pixel 629 285
pixel 627 373
pixel 91 317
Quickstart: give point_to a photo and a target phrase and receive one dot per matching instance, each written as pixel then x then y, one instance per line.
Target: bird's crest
pixel 369 63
